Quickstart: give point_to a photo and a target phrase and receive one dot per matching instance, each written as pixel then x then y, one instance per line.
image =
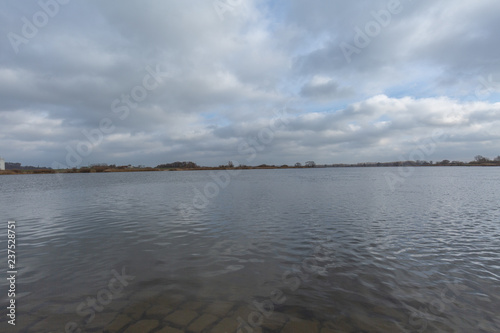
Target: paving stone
pixel 202 323
pixel 168 300
pixel 226 325
pixel 192 305
pixel 243 311
pixel 158 311
pixel 135 311
pixel 300 326
pixel 244 315
pixel 181 317
pixel 101 320
pixel 143 326
pixel 219 309
pixel 168 329
pixel 118 305
pixel 234 324
pixel 275 321
pixel 120 322
pixel 254 318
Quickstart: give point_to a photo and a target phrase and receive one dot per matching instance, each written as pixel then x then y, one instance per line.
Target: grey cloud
pixel 228 77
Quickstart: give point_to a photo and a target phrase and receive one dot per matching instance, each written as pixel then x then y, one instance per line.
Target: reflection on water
pixel 321 250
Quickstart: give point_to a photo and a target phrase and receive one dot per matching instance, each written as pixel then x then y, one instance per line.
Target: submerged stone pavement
pixel 171 313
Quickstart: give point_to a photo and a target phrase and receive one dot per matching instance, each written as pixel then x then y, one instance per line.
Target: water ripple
pixel 338 243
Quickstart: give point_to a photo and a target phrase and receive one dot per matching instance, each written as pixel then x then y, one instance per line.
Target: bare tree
pixel 481 159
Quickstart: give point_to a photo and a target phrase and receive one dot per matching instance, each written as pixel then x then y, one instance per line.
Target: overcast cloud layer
pixel 277 82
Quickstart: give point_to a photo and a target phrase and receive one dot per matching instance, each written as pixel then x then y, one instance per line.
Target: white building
pixel 2 164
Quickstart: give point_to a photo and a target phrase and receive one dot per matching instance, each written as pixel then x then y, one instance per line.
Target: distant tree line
pixel 178 165
pixel 482 159
pixel 479 160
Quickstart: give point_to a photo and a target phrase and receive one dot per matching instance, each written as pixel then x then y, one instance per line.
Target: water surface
pixel 330 250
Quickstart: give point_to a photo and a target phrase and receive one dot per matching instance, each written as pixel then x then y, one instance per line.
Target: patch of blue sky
pixel 383 118
pixel 215 119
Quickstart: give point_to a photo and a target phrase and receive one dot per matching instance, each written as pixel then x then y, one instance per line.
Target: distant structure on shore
pixel 2 164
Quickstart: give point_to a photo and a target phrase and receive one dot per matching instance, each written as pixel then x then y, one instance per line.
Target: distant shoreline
pixel 267 167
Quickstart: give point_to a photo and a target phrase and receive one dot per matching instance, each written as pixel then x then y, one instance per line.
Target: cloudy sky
pixel 277 82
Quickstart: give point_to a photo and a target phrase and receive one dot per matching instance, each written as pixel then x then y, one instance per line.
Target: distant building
pixel 2 164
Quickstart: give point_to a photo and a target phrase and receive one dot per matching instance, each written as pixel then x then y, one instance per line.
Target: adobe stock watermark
pixel 121 108
pixel 222 7
pixel 420 318
pixel 364 36
pixel 254 144
pixel 248 149
pixel 425 149
pixel 30 27
pixel 88 308
pixel 457 295
pixel 292 279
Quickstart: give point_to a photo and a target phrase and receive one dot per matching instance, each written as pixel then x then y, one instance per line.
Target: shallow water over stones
pixel 169 312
